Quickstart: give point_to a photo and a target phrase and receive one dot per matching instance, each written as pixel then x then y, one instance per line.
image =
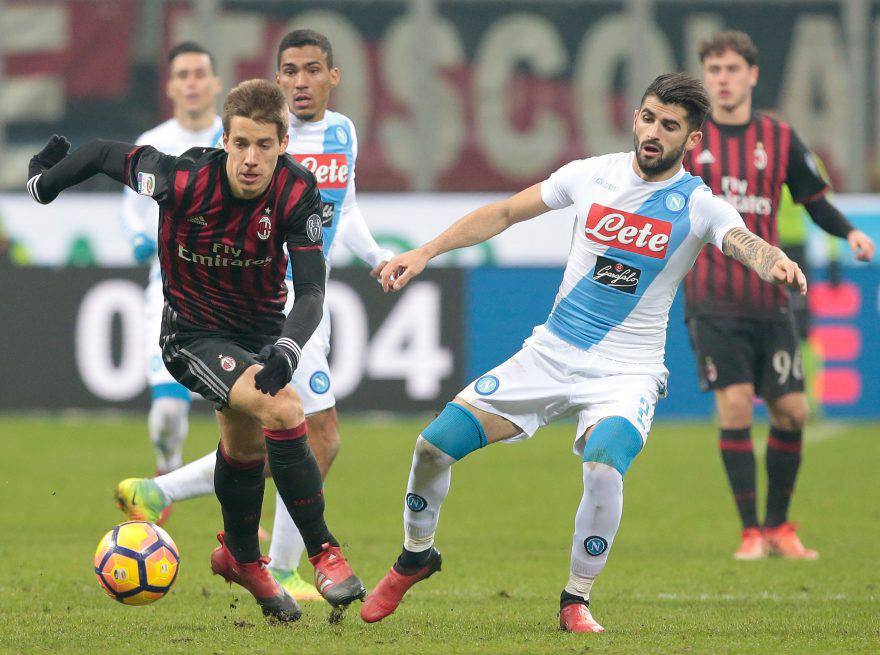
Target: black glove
pixel 51 154
pixel 279 363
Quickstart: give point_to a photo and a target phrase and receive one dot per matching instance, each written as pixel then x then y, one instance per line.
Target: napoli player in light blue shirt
pixel 641 221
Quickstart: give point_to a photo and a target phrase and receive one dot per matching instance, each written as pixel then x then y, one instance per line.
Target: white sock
pixel 287 544
pixel 168 423
pixel 595 525
pixel 190 481
pixel 426 490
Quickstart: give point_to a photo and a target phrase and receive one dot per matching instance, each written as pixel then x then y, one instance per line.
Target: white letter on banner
pixel 398 135
pixel 94 340
pixel 348 338
pixel 816 66
pixel 604 46
pixel 508 42
pixel 407 344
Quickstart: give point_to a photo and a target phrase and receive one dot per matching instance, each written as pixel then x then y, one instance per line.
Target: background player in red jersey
pixel 225 216
pixel 742 331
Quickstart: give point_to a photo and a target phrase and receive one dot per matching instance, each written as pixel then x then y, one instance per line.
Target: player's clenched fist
pixel 402 268
pixel 279 363
pixel 785 271
pixel 51 154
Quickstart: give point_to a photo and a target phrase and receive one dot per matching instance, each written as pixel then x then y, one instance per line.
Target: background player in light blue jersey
pixel 641 221
pixel 325 142
pixel 192 88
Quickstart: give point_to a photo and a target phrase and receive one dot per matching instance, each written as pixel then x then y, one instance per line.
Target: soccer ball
pixel 136 563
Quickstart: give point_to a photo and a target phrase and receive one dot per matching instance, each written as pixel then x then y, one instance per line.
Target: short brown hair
pixel 684 90
pixel 740 42
pixel 259 100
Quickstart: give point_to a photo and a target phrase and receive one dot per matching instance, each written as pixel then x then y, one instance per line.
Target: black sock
pixel 739 462
pixel 783 462
pixel 410 561
pixel 566 599
pixel 239 488
pixel 298 480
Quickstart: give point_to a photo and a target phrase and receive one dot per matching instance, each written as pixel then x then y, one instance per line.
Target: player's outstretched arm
pixel 480 225
pixel 830 219
pixel 52 170
pixel 769 262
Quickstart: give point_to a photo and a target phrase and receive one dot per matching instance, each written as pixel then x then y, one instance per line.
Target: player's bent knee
pixel 428 452
pixel 456 432
pixel 282 411
pixel 614 442
pixel 791 420
pixel 244 451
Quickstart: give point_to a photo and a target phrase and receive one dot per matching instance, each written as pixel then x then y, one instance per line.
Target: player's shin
pixel 299 483
pixel 739 463
pixel 611 448
pixel 426 489
pixel 451 436
pixel 168 422
pixel 783 463
pixel 189 481
pixel 287 543
pixel 239 487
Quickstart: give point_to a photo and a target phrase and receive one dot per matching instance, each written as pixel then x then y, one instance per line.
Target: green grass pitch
pixel 505 533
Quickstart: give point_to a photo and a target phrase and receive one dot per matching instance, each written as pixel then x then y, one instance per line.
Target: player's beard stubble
pixel 660 164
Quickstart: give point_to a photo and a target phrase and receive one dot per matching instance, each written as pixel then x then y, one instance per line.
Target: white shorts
pixel 154 301
pixel 549 379
pixel 311 380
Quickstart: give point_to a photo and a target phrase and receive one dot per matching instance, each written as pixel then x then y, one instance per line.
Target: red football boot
pixel 753 545
pixel 334 578
pixel 783 541
pixel 385 598
pixel 575 616
pixel 275 602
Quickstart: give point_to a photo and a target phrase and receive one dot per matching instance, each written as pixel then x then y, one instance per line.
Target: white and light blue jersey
pixel 329 149
pixel 633 243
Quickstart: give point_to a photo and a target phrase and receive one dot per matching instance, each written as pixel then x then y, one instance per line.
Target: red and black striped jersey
pixel 747 166
pixel 222 258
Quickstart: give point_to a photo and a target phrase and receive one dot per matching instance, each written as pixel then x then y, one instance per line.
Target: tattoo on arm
pixel 752 251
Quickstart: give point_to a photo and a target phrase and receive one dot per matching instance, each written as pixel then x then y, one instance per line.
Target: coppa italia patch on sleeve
pixel 616 275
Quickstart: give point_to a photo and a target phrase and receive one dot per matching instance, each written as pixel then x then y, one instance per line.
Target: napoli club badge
pixel 487 385
pixel 675 201
pixel 227 363
pixel 595 545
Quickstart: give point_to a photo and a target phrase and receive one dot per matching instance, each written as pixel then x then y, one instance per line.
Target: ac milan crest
pixel 264 226
pixel 760 157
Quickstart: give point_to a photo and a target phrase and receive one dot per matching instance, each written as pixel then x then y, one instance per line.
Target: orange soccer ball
pixel 136 563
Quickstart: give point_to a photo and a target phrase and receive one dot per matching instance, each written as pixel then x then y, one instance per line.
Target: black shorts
pixel 208 363
pixel 765 353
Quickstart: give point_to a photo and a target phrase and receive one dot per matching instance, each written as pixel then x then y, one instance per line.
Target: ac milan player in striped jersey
pixel 225 216
pixel 742 331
